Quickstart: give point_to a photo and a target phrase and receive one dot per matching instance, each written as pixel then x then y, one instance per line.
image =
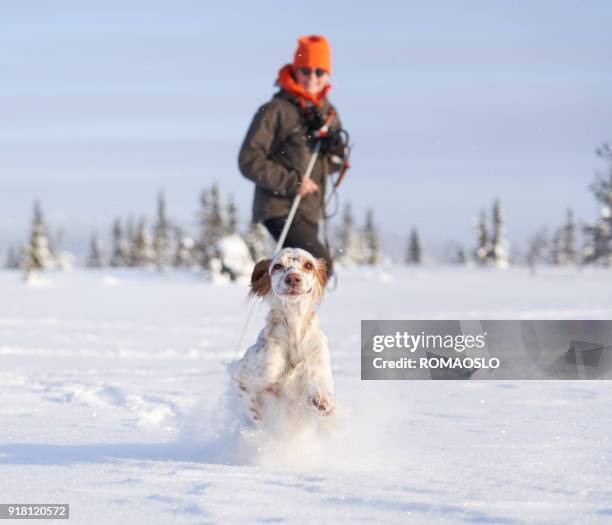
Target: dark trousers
pixel 302 234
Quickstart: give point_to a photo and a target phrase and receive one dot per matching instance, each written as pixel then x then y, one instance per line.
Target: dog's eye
pixel 308 266
pixel 277 266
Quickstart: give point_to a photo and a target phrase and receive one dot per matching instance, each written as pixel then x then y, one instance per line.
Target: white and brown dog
pixel 289 365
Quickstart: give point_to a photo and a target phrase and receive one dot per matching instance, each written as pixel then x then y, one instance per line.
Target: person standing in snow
pixel 280 142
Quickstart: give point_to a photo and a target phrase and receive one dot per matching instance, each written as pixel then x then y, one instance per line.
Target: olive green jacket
pixel 275 154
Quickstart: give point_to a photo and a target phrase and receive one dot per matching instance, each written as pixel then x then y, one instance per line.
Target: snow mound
pixel 234 262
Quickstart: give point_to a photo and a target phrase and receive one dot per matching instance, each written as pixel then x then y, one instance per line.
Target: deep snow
pixel 112 383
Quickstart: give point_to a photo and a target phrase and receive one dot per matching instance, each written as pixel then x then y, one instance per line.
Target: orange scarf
pixel 287 81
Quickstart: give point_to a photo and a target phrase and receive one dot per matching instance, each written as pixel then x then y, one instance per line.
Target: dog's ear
pixel 321 277
pixel 260 279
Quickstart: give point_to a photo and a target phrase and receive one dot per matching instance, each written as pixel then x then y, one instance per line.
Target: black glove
pixel 335 144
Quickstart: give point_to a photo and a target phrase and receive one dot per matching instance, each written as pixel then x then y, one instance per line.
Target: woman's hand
pixel 308 186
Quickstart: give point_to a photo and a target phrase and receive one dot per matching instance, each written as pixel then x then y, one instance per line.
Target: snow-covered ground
pixel 110 388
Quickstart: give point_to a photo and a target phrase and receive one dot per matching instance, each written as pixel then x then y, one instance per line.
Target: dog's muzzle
pixel 294 283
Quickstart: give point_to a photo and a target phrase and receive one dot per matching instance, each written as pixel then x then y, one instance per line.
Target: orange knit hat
pixel 313 51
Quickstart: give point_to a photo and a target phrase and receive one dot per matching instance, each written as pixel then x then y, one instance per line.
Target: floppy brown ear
pixel 321 273
pixel 260 279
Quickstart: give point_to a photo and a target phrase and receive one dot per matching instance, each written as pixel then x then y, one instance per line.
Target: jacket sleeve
pixel 256 160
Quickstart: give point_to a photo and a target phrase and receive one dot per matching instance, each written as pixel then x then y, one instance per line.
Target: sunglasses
pixel 307 71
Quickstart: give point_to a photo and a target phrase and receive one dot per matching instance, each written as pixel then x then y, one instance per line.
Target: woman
pixel 280 142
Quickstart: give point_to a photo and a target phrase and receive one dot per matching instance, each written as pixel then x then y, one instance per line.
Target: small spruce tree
pixel 143 255
pixel 121 249
pixel 212 225
pixel 161 235
pixel 598 234
pixel 186 252
pixel 537 250
pixel 232 217
pixel 36 254
pixel 569 251
pixel 483 245
pixel 95 258
pixel 372 242
pixel 500 253
pixel 556 248
pixel 414 254
pixel 349 251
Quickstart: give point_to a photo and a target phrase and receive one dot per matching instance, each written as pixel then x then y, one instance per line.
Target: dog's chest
pixel 293 343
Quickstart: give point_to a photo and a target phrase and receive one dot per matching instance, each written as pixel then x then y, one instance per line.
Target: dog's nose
pixel 293 279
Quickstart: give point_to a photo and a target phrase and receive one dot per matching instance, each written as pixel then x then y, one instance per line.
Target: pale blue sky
pixel 449 104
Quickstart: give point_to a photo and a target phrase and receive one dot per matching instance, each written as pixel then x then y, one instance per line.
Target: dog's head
pixel 292 274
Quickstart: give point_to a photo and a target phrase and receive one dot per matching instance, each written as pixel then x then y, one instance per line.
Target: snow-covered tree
pixel 500 252
pixel 131 231
pixel 186 251
pixel 563 243
pixel 483 245
pixel 460 257
pixel 556 248
pixel 537 249
pixel 357 246
pixel 215 222
pixel 492 249
pixel 258 241
pixel 95 258
pixel 232 217
pixel 212 226
pixel 161 235
pixel 370 236
pixel 203 240
pixel 569 251
pixel 121 248
pixel 63 260
pixel 414 253
pixel 597 245
pixel 36 254
pixel 143 254
pixel 598 234
pixel 350 249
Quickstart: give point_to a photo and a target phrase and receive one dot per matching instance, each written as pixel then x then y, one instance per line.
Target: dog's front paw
pixel 323 404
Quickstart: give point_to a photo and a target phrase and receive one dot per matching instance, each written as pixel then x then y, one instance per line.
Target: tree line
pixel 165 244
pixel 220 245
pixel 559 247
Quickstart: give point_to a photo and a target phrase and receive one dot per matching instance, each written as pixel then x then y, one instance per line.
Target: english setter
pixel 289 364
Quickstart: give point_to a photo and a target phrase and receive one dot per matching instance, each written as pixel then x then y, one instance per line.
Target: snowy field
pixel 110 388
